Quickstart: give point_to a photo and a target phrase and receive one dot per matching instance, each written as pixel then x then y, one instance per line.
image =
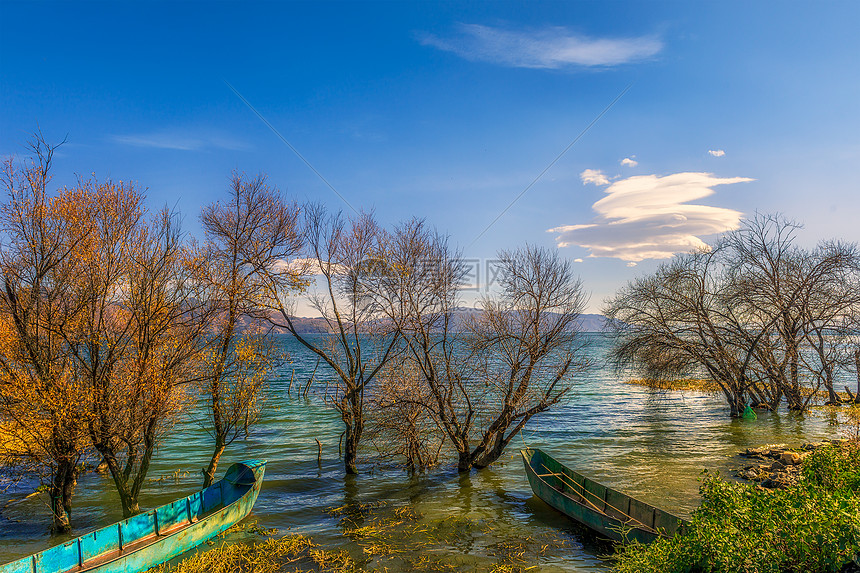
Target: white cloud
pixel 181 141
pixel 631 264
pixel 577 260
pixel 716 152
pixel 629 161
pixel 304 267
pixel 548 48
pixel 647 217
pixel 594 176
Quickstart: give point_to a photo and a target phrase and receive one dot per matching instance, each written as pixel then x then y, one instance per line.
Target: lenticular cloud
pixel 648 217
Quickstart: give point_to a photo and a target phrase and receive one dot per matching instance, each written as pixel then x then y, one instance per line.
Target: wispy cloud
pixel 304 267
pixel 181 141
pixel 593 176
pixel 629 162
pixel 548 48
pixel 647 217
pixel 716 152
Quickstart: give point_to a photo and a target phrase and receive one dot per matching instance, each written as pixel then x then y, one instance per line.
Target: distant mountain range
pixel 592 323
pixel 305 325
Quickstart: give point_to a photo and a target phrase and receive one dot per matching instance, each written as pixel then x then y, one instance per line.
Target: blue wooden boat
pixel 149 539
pixel 608 512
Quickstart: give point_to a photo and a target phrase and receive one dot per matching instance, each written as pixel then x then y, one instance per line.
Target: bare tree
pixel 797 298
pixel 342 254
pixel 400 425
pixel 678 321
pixel 487 376
pixel 526 346
pixel 830 300
pixel 756 313
pixel 419 293
pixel 251 231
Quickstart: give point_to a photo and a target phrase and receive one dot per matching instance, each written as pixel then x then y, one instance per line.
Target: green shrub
pixel 813 526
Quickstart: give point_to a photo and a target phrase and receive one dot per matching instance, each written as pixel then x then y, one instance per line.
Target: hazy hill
pixel 586 322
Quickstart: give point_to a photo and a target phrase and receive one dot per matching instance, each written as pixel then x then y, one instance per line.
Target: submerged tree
pixel 131 343
pixel 679 320
pixel 487 375
pixel 41 405
pixel 417 291
pixel 400 425
pixel 526 346
pixel 344 254
pixel 756 313
pixel 798 297
pixel 252 232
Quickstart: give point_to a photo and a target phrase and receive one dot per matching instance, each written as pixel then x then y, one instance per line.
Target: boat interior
pixel 115 541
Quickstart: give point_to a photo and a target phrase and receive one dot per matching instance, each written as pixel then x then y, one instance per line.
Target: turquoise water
pixel 652 445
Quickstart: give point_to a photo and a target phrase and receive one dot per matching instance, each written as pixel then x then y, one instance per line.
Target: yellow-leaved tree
pixel 134 339
pixel 42 405
pixel 251 231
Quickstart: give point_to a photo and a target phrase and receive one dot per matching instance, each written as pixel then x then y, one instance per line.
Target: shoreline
pixel 709 386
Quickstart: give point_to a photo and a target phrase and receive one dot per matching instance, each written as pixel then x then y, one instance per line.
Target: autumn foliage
pixel 107 318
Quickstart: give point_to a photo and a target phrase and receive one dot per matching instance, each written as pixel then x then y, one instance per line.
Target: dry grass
pixel 704 385
pixel 289 553
pixel 696 384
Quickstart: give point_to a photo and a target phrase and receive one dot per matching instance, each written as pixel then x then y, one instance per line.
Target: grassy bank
pixel 813 526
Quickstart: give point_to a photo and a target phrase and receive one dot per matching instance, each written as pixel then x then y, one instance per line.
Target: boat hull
pixel 604 510
pixel 149 539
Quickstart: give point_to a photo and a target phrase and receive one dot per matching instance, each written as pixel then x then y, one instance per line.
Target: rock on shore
pixel 778 466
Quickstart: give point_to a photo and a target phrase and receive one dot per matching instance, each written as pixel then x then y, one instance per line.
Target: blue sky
pixel 450 111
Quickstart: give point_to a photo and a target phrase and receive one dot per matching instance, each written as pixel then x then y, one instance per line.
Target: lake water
pixel 649 444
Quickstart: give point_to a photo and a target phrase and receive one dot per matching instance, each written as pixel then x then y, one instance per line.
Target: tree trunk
pixel 62 488
pixel 127 499
pixel 857 369
pixel 464 462
pixel 130 507
pixel 350 450
pixel 736 401
pixel 833 398
pixel 793 393
pixel 209 472
pixel 490 454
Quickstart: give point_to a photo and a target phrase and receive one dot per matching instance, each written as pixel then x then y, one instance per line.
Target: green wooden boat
pixel 602 509
pixel 149 539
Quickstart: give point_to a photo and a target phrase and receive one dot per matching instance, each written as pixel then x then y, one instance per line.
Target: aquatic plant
pixel 381 539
